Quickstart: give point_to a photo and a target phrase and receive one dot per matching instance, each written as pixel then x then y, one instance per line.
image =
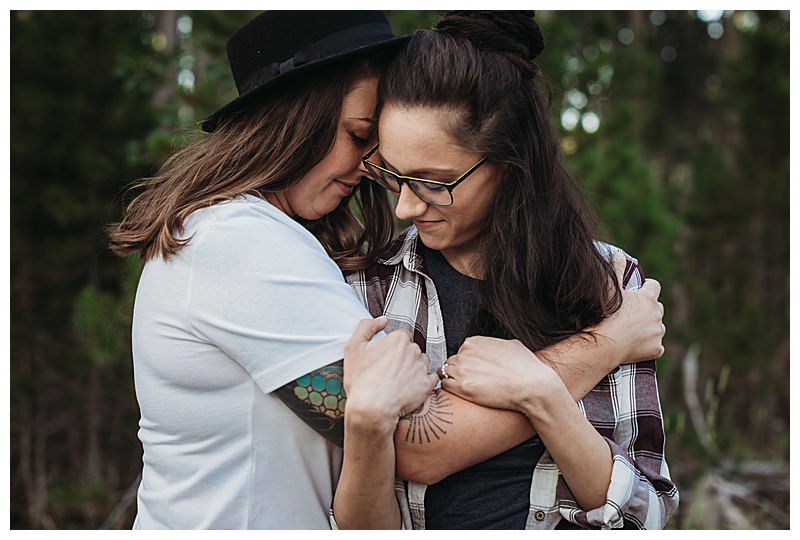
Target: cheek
pixel 303 195
pixel 348 160
pixel 474 214
pixel 343 157
pixel 482 200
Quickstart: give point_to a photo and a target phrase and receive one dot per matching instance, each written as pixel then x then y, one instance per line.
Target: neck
pixel 464 262
pixel 279 201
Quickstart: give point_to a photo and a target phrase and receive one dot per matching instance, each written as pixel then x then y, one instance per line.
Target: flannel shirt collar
pixel 405 249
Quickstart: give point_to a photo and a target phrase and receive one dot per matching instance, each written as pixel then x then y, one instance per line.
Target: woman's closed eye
pixel 364 136
pixel 360 139
pixel 430 188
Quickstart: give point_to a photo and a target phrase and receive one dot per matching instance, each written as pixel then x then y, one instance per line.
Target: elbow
pixel 419 470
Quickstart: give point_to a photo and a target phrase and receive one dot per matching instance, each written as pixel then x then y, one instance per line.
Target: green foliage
pixel 405 22
pixel 71 501
pixel 94 326
pixel 102 321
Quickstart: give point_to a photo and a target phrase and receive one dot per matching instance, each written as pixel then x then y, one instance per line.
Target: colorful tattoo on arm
pixel 430 421
pixel 318 399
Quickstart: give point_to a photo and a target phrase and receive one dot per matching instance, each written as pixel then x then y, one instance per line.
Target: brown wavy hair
pixel 261 151
pixel 544 278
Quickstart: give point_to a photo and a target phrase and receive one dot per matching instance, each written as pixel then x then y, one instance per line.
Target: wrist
pixel 526 384
pixel 369 421
pixel 545 393
pixel 608 349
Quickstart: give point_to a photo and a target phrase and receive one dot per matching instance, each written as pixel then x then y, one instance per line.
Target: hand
pixel 498 373
pixel 384 378
pixel 636 328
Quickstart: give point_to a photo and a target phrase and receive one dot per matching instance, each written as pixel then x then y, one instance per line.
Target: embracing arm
pixel 451 433
pixel 365 492
pixel 617 480
pixel 319 399
pixel 582 455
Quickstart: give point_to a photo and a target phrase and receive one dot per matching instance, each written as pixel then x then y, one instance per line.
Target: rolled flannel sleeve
pixel 641 494
pixel 636 498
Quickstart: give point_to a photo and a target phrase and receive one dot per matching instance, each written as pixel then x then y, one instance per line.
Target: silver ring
pixel 444 371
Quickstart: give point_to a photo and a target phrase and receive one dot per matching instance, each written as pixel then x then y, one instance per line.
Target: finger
pixel 447 371
pixel 433 378
pixel 451 385
pixel 367 328
pixel 424 358
pixel 405 333
pixel 454 387
pixel 444 372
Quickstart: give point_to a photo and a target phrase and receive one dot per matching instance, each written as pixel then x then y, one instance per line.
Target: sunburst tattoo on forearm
pixel 431 421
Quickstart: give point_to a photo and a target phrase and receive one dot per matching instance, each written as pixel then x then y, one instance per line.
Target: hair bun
pixel 514 33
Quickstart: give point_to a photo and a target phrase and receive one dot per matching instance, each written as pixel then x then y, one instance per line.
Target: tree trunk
pixel 166 30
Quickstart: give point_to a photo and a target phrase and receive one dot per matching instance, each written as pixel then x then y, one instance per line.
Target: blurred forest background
pixel 676 122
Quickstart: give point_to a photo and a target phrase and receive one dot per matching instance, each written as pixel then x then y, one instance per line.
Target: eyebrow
pixel 420 173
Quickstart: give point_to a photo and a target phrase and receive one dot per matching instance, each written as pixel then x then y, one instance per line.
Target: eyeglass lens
pixel 430 193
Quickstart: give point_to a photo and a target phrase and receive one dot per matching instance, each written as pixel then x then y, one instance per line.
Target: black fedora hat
pixel 277 46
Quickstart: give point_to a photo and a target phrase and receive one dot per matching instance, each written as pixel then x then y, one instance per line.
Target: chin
pixel 431 242
pixel 313 214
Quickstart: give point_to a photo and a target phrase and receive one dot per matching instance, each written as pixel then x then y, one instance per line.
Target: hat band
pixel 340 42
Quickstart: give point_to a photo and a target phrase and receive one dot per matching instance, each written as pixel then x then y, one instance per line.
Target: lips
pixel 424 225
pixel 345 188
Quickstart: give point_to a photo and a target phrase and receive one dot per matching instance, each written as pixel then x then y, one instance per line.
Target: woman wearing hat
pixel 242 315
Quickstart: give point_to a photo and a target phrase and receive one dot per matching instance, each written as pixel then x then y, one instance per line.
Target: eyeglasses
pixel 430 191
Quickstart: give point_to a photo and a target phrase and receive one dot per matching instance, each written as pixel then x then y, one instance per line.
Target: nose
pixel 355 173
pixel 361 170
pixel 409 206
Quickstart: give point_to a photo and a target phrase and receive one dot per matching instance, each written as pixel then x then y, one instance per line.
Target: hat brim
pixel 253 98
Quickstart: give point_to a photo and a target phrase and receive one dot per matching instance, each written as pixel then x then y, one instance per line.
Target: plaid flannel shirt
pixel 624 407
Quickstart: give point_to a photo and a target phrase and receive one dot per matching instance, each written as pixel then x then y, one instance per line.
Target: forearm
pixel 632 334
pixel 365 494
pixel 450 433
pixel 582 455
pixel 581 361
pixel 385 379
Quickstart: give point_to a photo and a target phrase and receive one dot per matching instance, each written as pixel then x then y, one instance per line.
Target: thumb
pixel 367 328
pixel 653 287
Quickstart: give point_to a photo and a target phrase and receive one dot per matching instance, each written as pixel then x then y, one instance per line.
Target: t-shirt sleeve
pixel 268 296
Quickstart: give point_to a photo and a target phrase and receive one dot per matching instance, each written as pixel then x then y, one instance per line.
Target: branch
pixel 127 498
pixel 692 400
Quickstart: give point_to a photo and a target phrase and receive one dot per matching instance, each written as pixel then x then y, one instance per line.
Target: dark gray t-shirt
pixel 493 494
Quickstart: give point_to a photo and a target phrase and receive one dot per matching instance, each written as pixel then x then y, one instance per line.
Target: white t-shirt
pixel 250 304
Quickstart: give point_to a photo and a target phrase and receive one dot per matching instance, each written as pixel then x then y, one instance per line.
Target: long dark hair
pixel 544 278
pixel 260 151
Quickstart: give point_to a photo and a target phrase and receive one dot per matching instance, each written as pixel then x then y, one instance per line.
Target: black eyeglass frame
pixel 411 181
